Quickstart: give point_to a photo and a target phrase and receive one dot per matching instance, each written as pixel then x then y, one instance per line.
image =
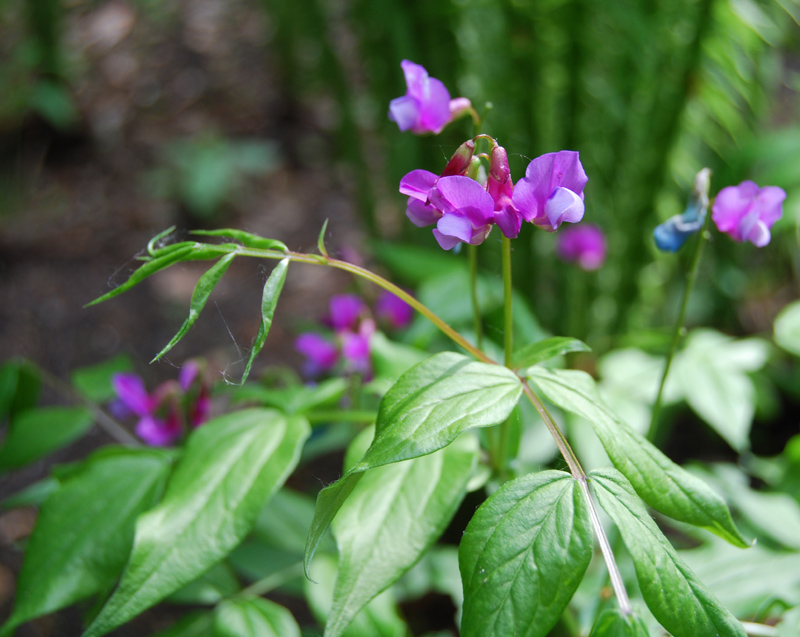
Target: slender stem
pixel 103 420
pixel 271 582
pixel 472 251
pixel 341 415
pixel 679 330
pixel 508 315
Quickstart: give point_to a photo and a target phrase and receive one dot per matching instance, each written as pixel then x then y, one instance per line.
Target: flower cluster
pixel 352 327
pixel 165 413
pixel 744 212
pixel 465 210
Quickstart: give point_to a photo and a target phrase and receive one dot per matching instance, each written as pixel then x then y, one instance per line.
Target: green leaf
pixel 614 623
pixel 790 623
pixel 247 239
pixel 205 285
pixel 712 371
pixel 677 599
pixel 8 387
pixel 85 530
pixel 94 383
pixel 254 617
pixel 34 495
pixel 294 399
pixel 145 270
pixel 523 555
pixel 787 328
pixel 661 483
pixel 393 516
pixel 269 301
pixel 230 468
pixel 547 349
pixel 197 624
pixel 379 618
pixel 23 385
pixel 321 240
pixel 217 583
pixel 37 432
pixel 424 411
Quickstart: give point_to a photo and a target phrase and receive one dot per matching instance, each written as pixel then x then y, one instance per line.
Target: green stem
pixel 679 330
pixel 273 581
pixel 341 415
pixel 472 251
pixel 508 315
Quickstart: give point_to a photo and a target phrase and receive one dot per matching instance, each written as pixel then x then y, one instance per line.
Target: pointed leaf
pixel 614 623
pixel 205 285
pixel 94 383
pixel 548 348
pixel 523 555
pixel 255 617
pixel 393 516
pixel 269 301
pixel 658 481
pixel 84 532
pixel 424 411
pixel 145 270
pixel 676 597
pixel 37 432
pixel 230 468
pixel 247 239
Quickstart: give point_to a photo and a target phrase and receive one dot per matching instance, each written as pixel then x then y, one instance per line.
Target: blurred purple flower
pixel 188 374
pixel 747 212
pixel 345 310
pixel 321 354
pixel 356 349
pixel 552 190
pixel 394 310
pixel 673 233
pixel 132 395
pixel 584 245
pixel 426 107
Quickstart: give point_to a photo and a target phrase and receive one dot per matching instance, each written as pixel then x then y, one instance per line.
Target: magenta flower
pixel 501 189
pixel 584 245
pixel 321 355
pixel 426 107
pixel 394 310
pixel 552 190
pixel 345 310
pixel 747 212
pixel 132 395
pixel 356 349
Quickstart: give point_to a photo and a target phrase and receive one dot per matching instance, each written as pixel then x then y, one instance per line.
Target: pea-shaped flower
pixel 747 212
pixel 552 190
pixel 426 107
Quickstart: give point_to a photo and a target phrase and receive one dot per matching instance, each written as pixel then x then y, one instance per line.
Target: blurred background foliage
pixel 649 93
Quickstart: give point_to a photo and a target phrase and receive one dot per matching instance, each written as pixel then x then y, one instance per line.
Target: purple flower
pixel 501 189
pixel 321 354
pixel 747 212
pixel 356 349
pixel 584 245
pixel 426 107
pixel 394 310
pixel 345 310
pixel 552 190
pixel 131 393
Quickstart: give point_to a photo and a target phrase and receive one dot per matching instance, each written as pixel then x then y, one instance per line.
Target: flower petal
pixel 568 172
pixel 131 391
pixel 464 196
pixel 434 107
pixel 422 214
pixel 405 111
pixel 320 352
pixel 453 225
pixel 445 242
pixel 344 311
pixel 769 203
pixel 526 200
pixel 418 183
pixel 563 206
pixel 159 433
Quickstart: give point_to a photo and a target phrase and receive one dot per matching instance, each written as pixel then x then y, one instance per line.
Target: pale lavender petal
pixel 320 352
pixel 465 196
pixel 568 172
pixel 445 242
pixel 422 214
pixel 131 391
pixel 345 310
pixel 563 206
pixel 418 183
pixel 752 229
pixel 416 78
pixel 405 111
pixel 453 225
pixel 769 204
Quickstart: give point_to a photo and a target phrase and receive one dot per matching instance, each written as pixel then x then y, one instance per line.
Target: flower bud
pixel 460 160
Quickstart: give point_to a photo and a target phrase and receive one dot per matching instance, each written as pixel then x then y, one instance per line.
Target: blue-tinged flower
pixel 747 212
pixel 426 107
pixel 551 192
pixel 673 233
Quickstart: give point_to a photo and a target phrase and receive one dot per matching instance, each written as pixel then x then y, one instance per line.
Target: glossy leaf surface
pixel 254 617
pixel 545 350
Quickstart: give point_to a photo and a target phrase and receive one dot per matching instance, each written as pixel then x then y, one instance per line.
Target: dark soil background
pixel 79 208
